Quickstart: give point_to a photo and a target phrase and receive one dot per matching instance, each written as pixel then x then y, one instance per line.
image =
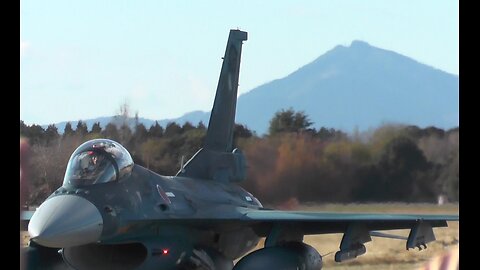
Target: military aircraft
pixel 113 214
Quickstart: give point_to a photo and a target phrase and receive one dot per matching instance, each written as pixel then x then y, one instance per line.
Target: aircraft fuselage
pixel 138 208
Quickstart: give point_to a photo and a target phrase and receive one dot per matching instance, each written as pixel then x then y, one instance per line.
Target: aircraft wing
pixel 320 222
pixel 357 228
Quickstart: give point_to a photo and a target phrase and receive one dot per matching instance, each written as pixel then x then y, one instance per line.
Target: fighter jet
pixel 113 214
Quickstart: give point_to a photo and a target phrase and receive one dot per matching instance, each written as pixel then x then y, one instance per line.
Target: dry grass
pixel 24 237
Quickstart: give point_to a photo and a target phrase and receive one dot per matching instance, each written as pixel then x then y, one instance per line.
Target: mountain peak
pixel 357 86
pixel 355 44
pixel 359 44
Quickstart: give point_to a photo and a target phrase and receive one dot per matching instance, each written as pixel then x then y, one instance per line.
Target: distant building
pixel 442 199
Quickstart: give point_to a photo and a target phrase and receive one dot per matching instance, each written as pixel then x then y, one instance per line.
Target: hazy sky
pixel 83 59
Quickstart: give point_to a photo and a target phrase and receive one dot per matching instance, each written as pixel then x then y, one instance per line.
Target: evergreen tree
pixel 331 134
pixel 187 126
pixel 68 131
pixel 125 135
pixel 155 131
pixel 288 121
pixel 82 129
pixel 172 129
pixel 241 131
pixel 96 128
pixel 403 166
pixel 51 133
pixel 36 134
pixel 23 129
pixel 111 132
pixel 141 133
pixel 201 125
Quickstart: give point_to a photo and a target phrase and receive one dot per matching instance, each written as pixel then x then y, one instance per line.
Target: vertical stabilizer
pixel 217 160
pixel 222 119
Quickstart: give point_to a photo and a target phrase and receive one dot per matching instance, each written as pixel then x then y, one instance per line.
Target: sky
pixel 84 59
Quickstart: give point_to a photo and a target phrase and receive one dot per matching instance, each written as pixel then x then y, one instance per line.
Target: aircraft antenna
pixel 182 169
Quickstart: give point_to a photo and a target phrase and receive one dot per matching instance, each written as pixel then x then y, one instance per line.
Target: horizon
pixel 354 132
pixel 148 122
pixel 88 66
pixel 163 122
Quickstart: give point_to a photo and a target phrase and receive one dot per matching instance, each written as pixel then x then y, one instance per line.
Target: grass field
pixel 381 253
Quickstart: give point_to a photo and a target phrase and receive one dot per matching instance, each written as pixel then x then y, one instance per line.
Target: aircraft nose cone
pixel 65 221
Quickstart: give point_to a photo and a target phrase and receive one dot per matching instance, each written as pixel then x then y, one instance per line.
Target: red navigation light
pixel 164 251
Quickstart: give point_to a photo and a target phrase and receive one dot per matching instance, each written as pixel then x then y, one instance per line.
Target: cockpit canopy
pixel 98 161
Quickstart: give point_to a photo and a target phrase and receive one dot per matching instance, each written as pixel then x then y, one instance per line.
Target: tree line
pixel 293 162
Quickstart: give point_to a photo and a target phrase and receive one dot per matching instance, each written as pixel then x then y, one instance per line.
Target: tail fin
pixel 222 119
pixel 216 160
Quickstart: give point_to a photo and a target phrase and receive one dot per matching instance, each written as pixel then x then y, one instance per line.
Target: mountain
pixel 359 86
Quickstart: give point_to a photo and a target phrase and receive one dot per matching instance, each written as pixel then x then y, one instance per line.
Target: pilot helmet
pixel 98 161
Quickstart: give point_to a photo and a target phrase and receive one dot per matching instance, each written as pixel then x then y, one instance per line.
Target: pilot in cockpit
pixel 95 160
pixel 98 161
pixel 91 164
